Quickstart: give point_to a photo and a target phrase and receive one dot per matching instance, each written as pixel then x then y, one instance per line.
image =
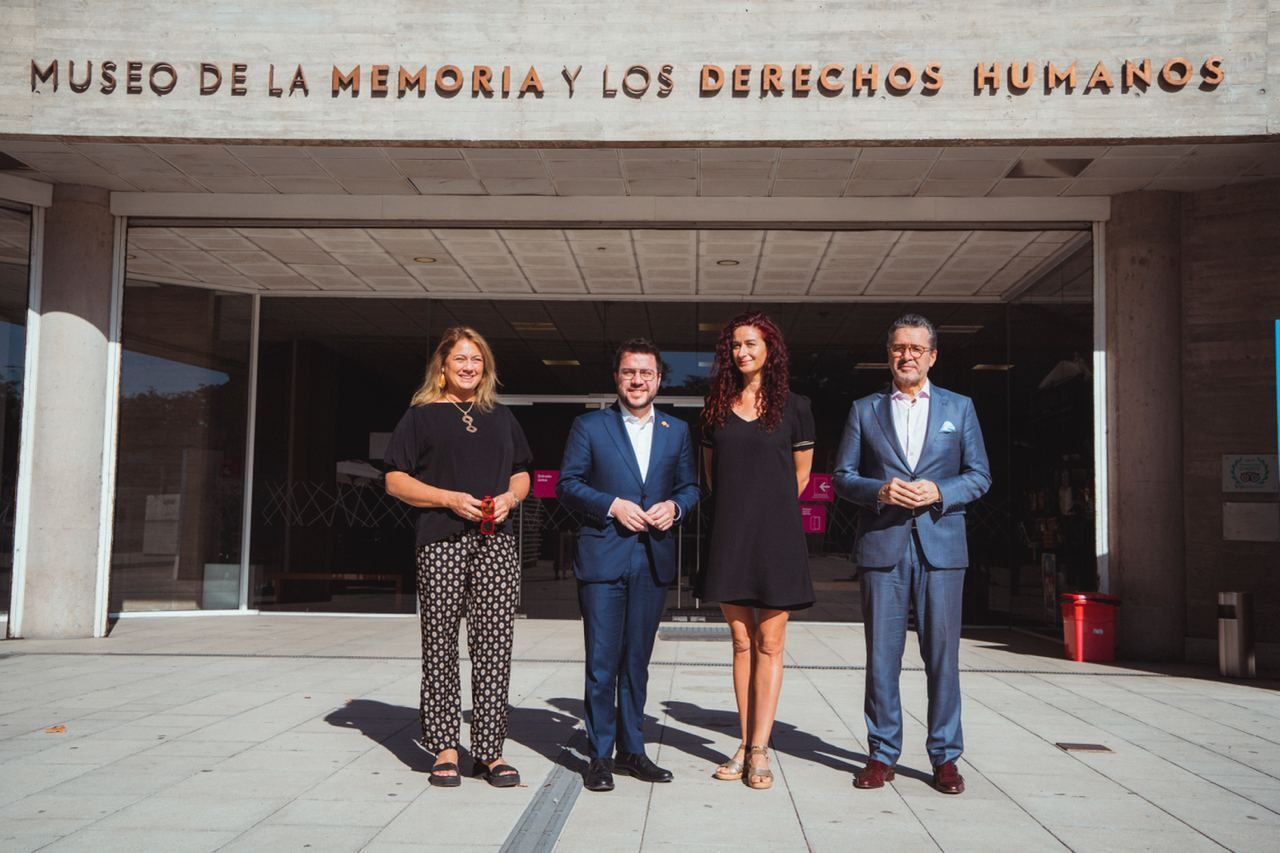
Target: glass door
pixel 15 275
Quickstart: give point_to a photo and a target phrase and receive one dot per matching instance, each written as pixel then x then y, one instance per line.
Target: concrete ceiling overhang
pixel 998 171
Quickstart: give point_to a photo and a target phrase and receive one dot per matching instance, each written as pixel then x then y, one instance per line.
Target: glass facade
pixel 184 396
pixel 15 276
pixel 335 374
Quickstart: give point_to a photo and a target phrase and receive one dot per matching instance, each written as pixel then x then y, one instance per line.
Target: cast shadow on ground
pixel 555 734
pixel 1047 646
pixel 787 739
pixel 396 729
pixel 655 732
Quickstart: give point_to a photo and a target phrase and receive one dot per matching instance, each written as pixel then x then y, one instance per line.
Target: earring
pixel 442 382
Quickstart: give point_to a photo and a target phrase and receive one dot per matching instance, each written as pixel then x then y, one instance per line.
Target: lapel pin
pixel 664 423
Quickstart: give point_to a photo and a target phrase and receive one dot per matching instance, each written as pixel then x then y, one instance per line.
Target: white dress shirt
pixel 640 431
pixel 911 421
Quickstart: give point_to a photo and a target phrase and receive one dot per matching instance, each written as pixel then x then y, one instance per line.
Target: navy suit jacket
pixel 600 465
pixel 954 457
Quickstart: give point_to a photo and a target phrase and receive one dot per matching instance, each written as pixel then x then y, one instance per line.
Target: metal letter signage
pixel 771 80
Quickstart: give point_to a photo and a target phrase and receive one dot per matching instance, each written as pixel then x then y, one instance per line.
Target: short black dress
pixel 759 556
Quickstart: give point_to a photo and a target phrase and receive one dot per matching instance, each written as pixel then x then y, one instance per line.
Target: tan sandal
pixel 759 778
pixel 731 770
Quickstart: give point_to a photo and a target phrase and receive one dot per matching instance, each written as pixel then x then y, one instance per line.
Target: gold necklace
pixel 466 415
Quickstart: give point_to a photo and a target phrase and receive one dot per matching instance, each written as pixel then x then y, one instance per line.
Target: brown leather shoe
pixel 874 775
pixel 947 779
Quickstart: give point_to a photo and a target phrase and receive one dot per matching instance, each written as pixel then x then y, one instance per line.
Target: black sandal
pixel 439 780
pixel 499 776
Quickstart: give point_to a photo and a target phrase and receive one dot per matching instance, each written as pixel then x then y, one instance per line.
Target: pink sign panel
pixel 819 489
pixel 814 517
pixel 544 483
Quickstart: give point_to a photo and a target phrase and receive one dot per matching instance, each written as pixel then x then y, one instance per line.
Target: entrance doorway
pixel 274 419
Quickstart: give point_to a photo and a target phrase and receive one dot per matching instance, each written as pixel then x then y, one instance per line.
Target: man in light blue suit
pixel 912 458
pixel 629 470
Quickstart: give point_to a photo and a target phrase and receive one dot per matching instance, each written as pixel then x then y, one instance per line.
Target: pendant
pixel 470 422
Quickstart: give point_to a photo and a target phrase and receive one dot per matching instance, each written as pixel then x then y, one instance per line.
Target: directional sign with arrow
pixel 819 489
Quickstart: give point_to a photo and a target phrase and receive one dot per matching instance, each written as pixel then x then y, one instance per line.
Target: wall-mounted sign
pixel 1249 472
pixel 814 517
pixel 544 483
pixel 1257 521
pixel 1013 77
pixel 819 489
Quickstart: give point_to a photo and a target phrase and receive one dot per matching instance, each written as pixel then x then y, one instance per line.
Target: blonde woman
pixel 461 460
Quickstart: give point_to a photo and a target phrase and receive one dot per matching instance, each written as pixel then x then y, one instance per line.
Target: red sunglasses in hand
pixel 487 510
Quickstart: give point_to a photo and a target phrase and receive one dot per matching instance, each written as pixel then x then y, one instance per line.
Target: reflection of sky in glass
pixel 13 347
pixel 683 366
pixel 142 373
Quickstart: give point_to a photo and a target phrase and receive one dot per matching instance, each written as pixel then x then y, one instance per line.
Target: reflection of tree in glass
pixel 159 432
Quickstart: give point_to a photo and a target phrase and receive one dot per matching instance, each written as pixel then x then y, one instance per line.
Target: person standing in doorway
pixel 462 461
pixel 629 471
pixel 912 458
pixel 758 441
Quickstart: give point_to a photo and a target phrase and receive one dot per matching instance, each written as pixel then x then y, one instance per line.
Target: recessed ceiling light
pixel 561 362
pixel 726 262
pixel 871 365
pixel 532 326
pixel 993 367
pixel 710 327
pixel 957 329
pixel 424 260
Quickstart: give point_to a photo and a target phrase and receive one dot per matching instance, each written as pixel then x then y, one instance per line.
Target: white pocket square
pixel 947 427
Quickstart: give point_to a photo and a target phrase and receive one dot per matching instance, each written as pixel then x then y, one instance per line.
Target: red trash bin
pixel 1089 625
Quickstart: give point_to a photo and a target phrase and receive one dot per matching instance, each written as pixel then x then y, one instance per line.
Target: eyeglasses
pixel 914 350
pixel 487 511
pixel 644 374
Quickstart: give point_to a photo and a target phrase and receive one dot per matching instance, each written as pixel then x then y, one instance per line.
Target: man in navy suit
pixel 629 471
pixel 912 458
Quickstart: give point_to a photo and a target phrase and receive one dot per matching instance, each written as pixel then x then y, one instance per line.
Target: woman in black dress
pixel 462 461
pixel 758 450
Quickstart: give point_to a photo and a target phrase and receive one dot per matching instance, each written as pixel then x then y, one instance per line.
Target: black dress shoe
pixel 599 775
pixel 638 765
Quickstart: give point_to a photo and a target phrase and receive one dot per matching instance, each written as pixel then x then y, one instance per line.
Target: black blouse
pixel 432 445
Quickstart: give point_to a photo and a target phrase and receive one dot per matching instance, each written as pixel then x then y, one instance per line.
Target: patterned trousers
pixel 476 576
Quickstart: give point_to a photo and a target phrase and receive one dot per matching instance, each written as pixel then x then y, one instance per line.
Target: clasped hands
pixel 911 495
pixel 660 516
pixel 468 507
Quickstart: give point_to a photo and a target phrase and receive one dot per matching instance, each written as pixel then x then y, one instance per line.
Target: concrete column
pixel 1143 251
pixel 70 416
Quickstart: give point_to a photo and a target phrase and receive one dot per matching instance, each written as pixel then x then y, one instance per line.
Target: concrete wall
pixel 1230 302
pixel 317 34
pixel 1143 317
pixel 71 392
pixel 1192 299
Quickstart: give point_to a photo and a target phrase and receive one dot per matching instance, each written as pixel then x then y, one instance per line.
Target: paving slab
pixel 279 732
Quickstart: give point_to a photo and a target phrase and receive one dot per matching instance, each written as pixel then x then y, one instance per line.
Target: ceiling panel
pixel 611 262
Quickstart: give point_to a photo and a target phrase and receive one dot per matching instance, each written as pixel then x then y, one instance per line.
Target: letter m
pixel 50 74
pixel 350 81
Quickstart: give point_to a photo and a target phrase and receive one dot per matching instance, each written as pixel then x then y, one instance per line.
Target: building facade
pixel 228 237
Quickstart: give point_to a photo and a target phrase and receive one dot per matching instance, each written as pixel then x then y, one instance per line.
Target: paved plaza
pixel 256 733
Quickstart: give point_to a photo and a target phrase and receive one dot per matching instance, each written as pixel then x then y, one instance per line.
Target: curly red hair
pixel 727 382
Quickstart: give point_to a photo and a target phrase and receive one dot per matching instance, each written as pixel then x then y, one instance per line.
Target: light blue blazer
pixel 954 457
